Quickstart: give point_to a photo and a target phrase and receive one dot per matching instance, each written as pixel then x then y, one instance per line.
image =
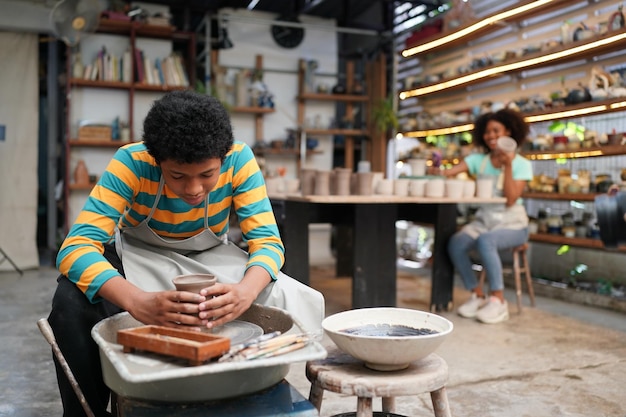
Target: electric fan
pixel 72 20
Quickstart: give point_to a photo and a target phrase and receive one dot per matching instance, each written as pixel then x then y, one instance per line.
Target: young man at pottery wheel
pixel 161 209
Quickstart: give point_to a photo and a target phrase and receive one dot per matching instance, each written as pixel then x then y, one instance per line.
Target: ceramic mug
pixel 384 187
pixel 401 187
pixel 484 187
pixel 417 188
pixel 454 188
pixel 193 282
pixel 469 188
pixel 435 188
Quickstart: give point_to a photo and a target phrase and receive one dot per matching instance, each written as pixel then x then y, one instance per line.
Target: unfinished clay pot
pixel 194 282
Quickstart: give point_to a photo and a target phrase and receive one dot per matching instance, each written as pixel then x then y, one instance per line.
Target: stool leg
pixel 440 403
pixel 316 395
pixel 389 404
pixel 518 281
pixel 364 407
pixel 529 280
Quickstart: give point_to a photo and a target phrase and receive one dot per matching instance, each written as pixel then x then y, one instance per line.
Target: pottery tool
pixel 47 332
pixel 235 350
pixel 272 347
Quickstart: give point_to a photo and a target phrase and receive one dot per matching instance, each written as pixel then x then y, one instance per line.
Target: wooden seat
pixel 343 374
pixel 519 266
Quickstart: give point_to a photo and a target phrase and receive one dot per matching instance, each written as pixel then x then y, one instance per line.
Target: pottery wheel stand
pixel 281 399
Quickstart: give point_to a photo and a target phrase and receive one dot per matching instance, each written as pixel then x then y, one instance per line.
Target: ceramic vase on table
pixel 341 178
pixel 81 173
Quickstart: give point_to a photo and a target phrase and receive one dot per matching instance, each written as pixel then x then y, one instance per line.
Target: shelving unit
pixel 474 30
pixel 350 100
pixel 549 69
pixel 258 112
pixel 100 101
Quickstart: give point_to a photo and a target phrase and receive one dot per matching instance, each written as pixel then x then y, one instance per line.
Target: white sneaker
pixel 471 306
pixel 495 311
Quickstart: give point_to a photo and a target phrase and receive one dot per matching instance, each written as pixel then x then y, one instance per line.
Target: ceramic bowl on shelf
pixel 387 338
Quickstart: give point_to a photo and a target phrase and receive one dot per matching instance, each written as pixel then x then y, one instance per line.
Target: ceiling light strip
pixel 473 28
pixel 510 67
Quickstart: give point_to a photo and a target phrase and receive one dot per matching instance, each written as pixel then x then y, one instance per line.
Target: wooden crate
pixel 94 132
pixel 196 347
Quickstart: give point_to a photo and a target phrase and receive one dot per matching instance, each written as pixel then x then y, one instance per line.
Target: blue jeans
pixel 488 247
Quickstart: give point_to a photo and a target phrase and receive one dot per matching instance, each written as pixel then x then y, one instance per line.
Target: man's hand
pixel 163 308
pixel 224 303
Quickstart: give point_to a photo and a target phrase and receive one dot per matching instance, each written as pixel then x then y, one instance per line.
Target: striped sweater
pixel 127 191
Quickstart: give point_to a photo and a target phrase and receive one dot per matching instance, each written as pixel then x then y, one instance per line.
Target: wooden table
pixel 371 250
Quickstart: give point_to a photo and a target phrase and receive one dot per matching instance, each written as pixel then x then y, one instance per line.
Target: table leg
pixel 440 403
pixel 443 271
pixel 295 235
pixel 389 404
pixel 374 276
pixel 364 407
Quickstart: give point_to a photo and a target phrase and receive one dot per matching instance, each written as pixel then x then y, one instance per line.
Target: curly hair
pixel 187 127
pixel 512 120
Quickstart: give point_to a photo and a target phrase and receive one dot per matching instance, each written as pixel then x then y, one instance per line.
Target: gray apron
pixel 496 216
pixel 151 261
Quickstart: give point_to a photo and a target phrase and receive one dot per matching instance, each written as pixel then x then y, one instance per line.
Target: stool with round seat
pixel 519 266
pixel 343 374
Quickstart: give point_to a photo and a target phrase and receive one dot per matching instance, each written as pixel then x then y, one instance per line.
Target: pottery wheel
pixel 238 331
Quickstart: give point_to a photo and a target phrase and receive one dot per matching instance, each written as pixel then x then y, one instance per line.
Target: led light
pixel 473 28
pixel 564 155
pixel 437 132
pixel 510 67
pixel 564 114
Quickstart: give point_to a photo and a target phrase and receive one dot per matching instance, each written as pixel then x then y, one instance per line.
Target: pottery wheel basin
pixel 152 377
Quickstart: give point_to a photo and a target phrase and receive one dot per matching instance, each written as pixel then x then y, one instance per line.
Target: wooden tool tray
pixel 196 347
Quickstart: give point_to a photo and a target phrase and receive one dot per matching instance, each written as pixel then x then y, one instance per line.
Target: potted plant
pixel 384 116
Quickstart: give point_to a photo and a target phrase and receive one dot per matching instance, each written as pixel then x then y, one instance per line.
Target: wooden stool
pixel 517 269
pixel 343 374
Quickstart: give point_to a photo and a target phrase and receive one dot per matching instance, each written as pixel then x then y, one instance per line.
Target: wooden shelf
pixel 581 242
pixel 286 152
pixel 560 196
pixel 252 110
pixel 97 143
pixel 595 151
pixel 81 187
pixel 81 82
pixel 462 40
pixel 532 60
pixel 345 132
pixel 601 106
pixel 333 97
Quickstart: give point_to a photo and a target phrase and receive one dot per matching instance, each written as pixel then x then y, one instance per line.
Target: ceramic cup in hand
pixel 193 282
pixel 507 144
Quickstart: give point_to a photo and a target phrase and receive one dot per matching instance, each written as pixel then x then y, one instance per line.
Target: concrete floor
pixel 557 359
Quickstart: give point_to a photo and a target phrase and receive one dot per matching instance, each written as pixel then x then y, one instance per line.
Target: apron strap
pixel 158 197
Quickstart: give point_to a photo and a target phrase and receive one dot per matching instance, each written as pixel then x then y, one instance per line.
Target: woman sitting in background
pixel 496 226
